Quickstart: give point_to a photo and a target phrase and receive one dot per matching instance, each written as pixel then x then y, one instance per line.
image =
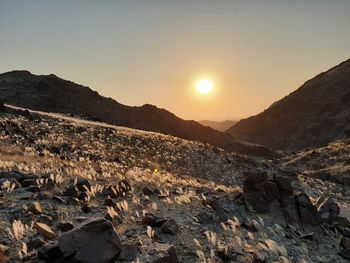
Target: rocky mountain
pixel 218 125
pixel 73 190
pixel 312 116
pixel 50 93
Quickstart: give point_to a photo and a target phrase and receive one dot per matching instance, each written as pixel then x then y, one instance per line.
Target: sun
pixel 204 86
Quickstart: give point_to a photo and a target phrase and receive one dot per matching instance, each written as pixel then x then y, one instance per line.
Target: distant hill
pixel 50 93
pixel 218 125
pixel 312 116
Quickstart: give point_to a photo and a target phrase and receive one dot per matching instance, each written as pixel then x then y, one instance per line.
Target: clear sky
pixel 153 51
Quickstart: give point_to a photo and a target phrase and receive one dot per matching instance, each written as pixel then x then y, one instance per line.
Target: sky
pixel 154 51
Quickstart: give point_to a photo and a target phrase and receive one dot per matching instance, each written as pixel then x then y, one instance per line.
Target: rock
pixel 329 210
pixel 36 243
pixel 35 208
pixel 84 197
pixel 3 248
pixel 109 202
pixel 83 184
pixel 65 226
pixel 71 191
pixel 170 227
pixel 153 220
pixel 86 208
pixel 345 243
pixel 284 184
pixel 44 230
pixel 205 218
pixel 45 195
pixel 147 191
pixel 170 258
pixel 59 199
pixel 254 182
pixel 307 211
pixel 93 241
pixel 129 253
pixel 29 182
pixel 250 226
pixel 25 195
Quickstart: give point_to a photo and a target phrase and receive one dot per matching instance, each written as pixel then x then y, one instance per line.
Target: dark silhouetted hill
pixel 312 116
pixel 50 93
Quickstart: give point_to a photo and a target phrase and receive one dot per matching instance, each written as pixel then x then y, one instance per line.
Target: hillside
pixel 50 93
pixel 218 125
pixel 79 191
pixel 312 116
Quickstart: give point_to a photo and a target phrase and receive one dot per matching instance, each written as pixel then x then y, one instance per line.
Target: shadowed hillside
pixel 312 116
pixel 52 94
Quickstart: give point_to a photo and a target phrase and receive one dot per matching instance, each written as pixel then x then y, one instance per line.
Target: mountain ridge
pixel 311 116
pixel 40 92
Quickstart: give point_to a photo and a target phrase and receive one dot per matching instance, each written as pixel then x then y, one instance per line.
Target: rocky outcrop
pixel 94 241
pixel 264 195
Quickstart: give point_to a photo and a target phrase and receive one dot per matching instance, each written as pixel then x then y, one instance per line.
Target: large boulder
pixel 93 241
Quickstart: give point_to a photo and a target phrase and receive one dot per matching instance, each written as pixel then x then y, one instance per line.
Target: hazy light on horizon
pixel 138 52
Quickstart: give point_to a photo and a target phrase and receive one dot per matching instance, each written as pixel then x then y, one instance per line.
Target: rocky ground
pixel 77 191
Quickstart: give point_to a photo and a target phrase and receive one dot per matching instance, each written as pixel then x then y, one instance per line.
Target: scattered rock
pixel 36 243
pixel 92 241
pixel 170 258
pixel 35 208
pixel 65 226
pixel 109 202
pixel 129 253
pixel 329 210
pixel 44 230
pixel 147 191
pixel 170 227
pixel 153 220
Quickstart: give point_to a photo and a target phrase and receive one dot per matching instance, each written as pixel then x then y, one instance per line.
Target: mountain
pixel 218 125
pixel 312 116
pixel 50 93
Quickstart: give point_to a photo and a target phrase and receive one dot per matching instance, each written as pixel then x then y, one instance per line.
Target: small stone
pixel 170 258
pixel 36 243
pixel 109 202
pixel 170 227
pixel 129 253
pixel 3 249
pixel 85 208
pixel 44 230
pixel 71 191
pixel 29 182
pixel 65 226
pixel 153 220
pixel 35 208
pixel 83 184
pixel 45 195
pixel 147 191
pixel 58 199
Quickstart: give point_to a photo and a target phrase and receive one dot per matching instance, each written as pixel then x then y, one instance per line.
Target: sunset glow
pixel 204 86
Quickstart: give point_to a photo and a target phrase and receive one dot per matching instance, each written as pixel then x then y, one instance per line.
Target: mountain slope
pixel 52 94
pixel 312 116
pixel 218 125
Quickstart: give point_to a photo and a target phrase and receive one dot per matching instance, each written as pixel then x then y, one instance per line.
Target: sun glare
pixel 204 86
